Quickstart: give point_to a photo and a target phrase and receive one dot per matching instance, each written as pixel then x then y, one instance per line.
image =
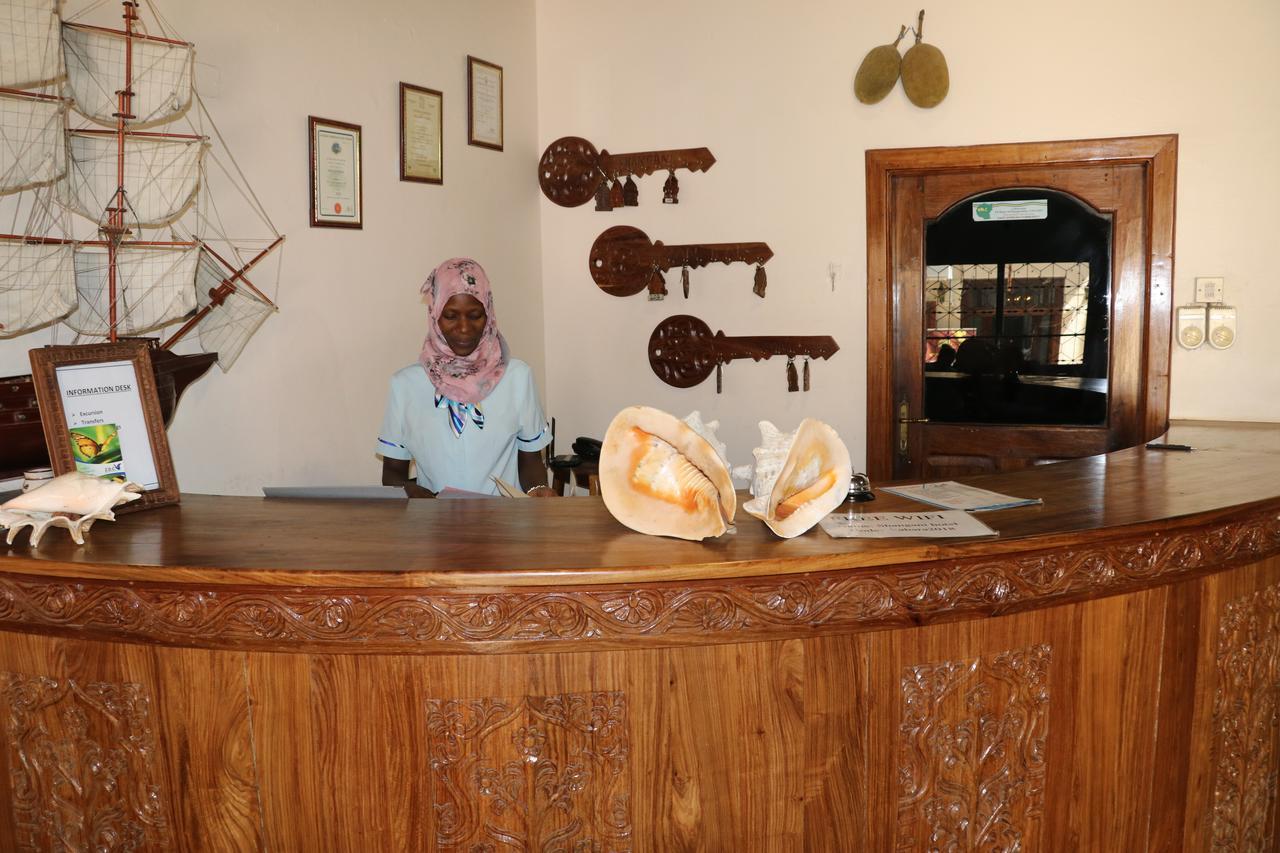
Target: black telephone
pixel 588 449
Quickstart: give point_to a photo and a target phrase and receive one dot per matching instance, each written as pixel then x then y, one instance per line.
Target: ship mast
pixel 115 229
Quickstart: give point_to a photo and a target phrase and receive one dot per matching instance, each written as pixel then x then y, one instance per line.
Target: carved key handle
pixel 683 351
pixel 571 172
pixel 624 261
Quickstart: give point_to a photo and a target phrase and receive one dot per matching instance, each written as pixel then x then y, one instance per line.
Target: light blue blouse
pixel 415 427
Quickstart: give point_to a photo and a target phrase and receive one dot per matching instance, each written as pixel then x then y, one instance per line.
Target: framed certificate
pixel 336 183
pixel 484 104
pixel 101 416
pixel 421 134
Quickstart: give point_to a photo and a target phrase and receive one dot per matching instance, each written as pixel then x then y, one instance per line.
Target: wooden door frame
pixel 1159 157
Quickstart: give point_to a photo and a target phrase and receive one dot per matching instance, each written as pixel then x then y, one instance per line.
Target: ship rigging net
pixel 121 219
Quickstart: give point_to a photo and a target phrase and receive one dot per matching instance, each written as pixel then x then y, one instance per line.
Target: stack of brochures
pixel 953 495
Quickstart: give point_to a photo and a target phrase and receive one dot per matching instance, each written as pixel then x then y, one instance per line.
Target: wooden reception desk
pixel 240 674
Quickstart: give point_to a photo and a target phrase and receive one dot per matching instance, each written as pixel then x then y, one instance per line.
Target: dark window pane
pixel 1016 311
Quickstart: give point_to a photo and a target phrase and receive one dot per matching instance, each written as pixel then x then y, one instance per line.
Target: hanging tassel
pixel 684 280
pixel 671 189
pixel 793 383
pixel 615 194
pixel 719 379
pixel 657 286
pixel 630 193
pixel 806 373
pixel 761 281
pixel 602 197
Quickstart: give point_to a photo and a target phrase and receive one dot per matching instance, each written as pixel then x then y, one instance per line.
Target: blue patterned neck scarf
pixel 459 413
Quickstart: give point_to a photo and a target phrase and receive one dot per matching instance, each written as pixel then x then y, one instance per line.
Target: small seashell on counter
pixel 74 501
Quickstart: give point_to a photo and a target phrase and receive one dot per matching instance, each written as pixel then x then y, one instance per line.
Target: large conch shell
pixel 74 501
pixel 658 476
pixel 813 481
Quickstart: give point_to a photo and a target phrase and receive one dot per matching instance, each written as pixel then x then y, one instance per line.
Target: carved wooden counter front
pixel 239 674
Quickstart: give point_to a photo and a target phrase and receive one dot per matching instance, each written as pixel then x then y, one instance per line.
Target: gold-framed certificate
pixel 421 134
pixel 484 104
pixel 336 183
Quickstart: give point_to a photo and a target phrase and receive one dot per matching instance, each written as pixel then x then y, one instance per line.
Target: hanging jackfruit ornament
pixel 878 72
pixel 630 193
pixel 924 71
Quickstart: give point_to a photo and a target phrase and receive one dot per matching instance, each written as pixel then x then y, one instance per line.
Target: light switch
pixel 1222 326
pixel 1209 288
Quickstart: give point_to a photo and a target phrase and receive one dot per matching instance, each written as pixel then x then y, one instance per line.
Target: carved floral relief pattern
pixel 971 764
pixel 542 773
pixel 82 766
pixel 660 613
pixel 1246 712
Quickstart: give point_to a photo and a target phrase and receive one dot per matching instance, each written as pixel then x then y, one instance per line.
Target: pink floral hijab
pixel 462 379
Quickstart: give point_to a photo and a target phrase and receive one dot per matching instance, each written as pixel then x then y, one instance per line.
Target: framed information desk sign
pixel 101 416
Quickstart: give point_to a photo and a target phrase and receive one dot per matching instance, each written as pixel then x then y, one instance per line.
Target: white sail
pixel 161 177
pixel 95 62
pixel 154 287
pixel 227 328
pixel 30 53
pixel 33 152
pixel 37 285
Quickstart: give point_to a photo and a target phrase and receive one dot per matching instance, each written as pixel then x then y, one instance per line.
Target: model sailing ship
pixel 103 186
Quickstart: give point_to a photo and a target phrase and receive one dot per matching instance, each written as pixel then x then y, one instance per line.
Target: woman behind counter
pixel 466 412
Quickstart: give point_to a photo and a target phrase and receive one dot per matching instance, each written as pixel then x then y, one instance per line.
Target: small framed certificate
pixel 336 182
pixel 484 104
pixel 421 134
pixel 101 416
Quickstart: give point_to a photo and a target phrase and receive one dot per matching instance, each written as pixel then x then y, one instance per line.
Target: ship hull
pixel 22 444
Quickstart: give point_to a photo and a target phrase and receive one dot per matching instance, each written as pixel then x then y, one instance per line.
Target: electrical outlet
pixel 1222 326
pixel 1191 326
pixel 1209 288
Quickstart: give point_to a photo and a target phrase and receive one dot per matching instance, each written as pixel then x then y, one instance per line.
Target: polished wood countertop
pixel 497 575
pixel 476 543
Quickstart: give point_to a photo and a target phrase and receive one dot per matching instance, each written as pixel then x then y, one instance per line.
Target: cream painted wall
pixel 768 87
pixel 304 403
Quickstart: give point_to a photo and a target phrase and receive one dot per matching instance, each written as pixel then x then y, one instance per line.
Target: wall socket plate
pixel 1209 288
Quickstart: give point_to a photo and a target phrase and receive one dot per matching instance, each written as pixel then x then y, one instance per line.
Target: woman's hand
pixel 533 475
pixel 395 472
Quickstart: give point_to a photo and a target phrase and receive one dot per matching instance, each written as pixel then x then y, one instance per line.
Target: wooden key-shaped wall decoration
pixel 683 351
pixel 571 172
pixel 624 261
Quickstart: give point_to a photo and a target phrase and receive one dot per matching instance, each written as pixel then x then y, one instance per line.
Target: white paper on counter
pixel 946 524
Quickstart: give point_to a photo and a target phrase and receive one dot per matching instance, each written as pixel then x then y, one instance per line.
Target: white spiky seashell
pixel 707 429
pixel 74 501
pixel 770 456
